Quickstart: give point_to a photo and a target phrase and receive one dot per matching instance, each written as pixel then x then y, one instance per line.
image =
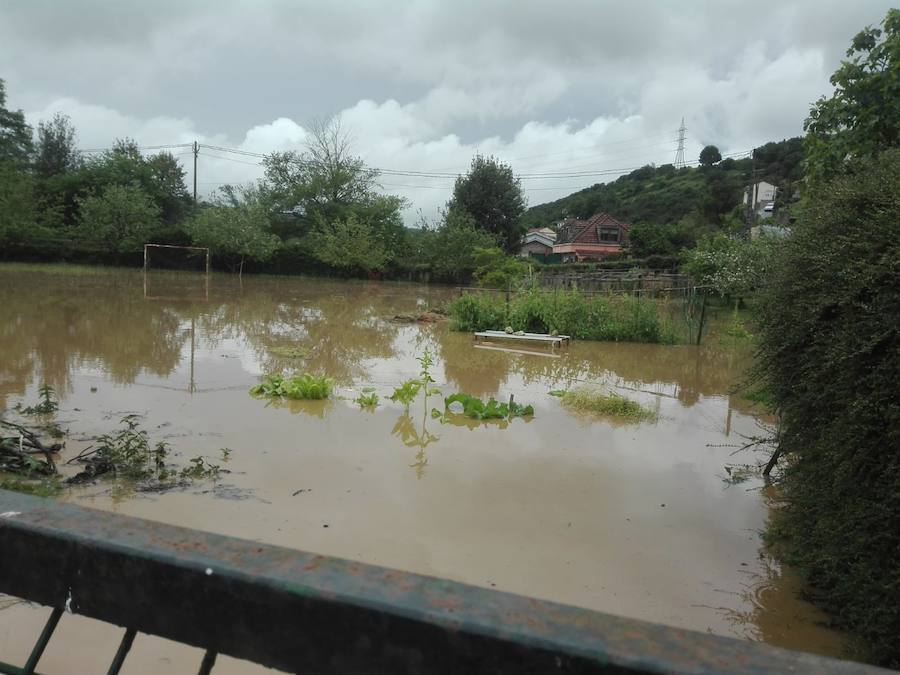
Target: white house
pixel 537 241
pixel 763 193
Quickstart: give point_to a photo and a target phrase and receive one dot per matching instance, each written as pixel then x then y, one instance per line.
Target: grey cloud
pixel 428 83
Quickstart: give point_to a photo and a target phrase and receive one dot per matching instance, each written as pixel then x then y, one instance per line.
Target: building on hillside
pixel 763 194
pixel 538 241
pixel 591 239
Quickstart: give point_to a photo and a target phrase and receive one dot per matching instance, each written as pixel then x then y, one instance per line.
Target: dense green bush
pixel 477 311
pixel 830 355
pixel 613 318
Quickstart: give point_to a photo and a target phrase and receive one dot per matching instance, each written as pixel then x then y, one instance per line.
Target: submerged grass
pixel 303 387
pixel 618 318
pixel 289 352
pixel 601 403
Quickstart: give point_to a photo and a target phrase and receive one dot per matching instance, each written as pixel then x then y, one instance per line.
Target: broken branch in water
pixel 16 451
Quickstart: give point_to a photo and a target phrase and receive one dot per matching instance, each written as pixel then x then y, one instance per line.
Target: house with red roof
pixel 590 239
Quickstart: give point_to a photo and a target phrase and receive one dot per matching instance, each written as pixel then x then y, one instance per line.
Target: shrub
pixel 611 318
pixel 477 311
pixel 830 357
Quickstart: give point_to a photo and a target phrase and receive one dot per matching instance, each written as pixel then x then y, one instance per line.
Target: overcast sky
pixel 550 86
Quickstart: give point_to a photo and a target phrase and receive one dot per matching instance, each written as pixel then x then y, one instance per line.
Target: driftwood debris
pixel 16 452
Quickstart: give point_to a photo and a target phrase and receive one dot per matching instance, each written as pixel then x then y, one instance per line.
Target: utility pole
pixel 679 154
pixel 196 152
pixel 751 194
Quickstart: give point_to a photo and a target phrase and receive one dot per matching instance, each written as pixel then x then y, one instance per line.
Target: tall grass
pixel 618 318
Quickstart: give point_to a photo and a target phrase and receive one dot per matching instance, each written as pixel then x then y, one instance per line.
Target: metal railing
pixel 301 612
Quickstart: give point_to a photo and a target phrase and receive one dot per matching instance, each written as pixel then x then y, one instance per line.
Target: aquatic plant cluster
pixel 301 387
pixel 477 409
pixel 616 318
pixel 310 387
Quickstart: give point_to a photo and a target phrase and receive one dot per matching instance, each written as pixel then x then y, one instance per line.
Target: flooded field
pixel 636 519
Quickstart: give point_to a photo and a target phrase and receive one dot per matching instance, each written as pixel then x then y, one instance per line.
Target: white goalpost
pixel 149 247
pixel 174 287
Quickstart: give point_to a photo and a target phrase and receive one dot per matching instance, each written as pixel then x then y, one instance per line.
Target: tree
pixel 449 250
pixel 159 176
pixel 862 117
pixel 56 151
pixel 734 267
pixel 493 197
pixel 710 155
pixel 645 239
pixel 319 191
pixel 351 245
pixel 238 231
pixel 829 354
pixel 496 269
pixel 15 134
pixel 17 213
pixel 122 218
pixel 167 188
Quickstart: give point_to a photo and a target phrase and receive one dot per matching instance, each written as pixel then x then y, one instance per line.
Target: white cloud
pixel 757 101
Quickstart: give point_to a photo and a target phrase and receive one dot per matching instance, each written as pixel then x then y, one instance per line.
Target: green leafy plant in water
pixel 303 387
pixel 200 469
pixel 477 409
pixel 47 405
pixel 367 400
pixel 128 453
pixel 614 405
pixel 407 392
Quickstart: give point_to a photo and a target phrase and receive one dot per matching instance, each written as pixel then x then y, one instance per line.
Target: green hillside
pixel 664 194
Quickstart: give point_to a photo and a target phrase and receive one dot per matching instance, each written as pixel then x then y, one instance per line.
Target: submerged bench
pixel 555 340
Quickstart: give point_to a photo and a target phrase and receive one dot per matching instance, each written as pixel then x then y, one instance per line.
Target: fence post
pixel 702 316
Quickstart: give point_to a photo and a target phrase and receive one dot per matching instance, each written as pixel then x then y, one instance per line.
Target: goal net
pixel 171 272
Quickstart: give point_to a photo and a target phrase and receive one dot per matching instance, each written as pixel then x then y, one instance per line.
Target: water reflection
pixel 48 325
pixel 415 435
pixel 562 507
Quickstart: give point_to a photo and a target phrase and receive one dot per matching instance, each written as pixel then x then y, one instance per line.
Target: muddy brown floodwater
pixel 632 519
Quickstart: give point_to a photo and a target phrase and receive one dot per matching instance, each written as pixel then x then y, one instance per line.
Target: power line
pixel 140 147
